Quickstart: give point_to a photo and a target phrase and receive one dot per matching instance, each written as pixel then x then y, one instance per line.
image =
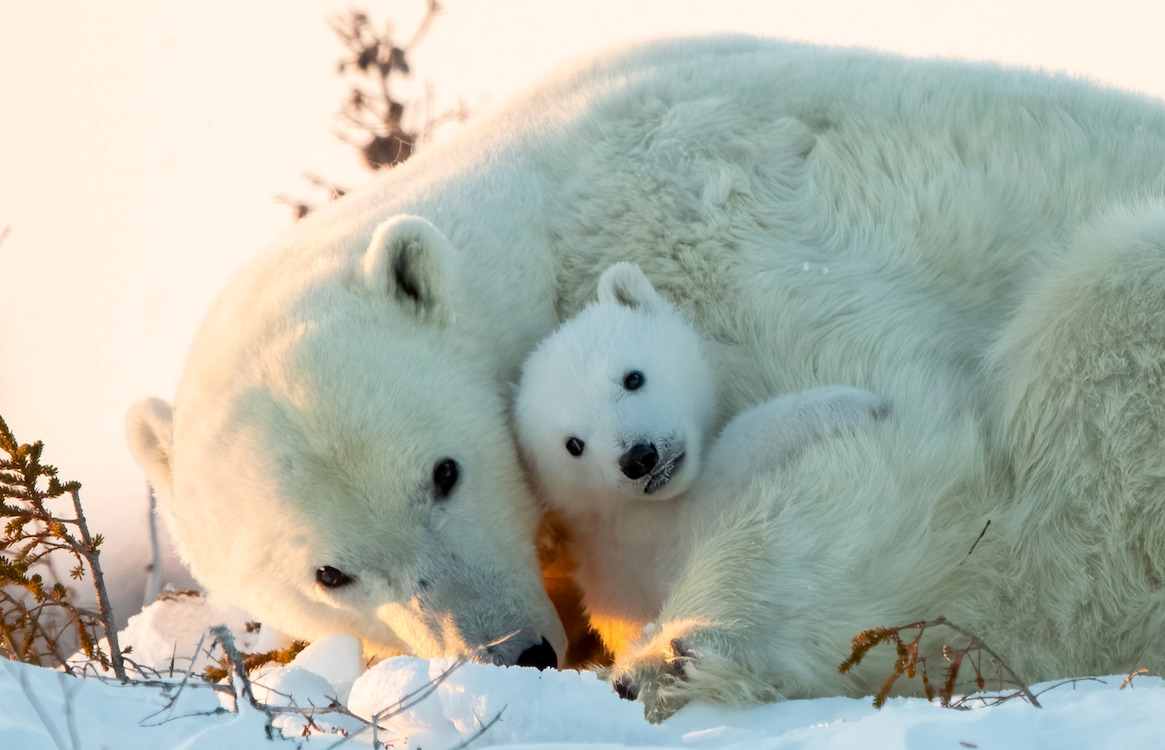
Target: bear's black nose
pixel 641 459
pixel 540 657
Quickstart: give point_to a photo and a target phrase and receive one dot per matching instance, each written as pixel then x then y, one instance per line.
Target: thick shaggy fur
pixel 983 247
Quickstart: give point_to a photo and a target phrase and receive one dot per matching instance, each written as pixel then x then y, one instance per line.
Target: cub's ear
pixel 624 284
pixel 149 430
pixel 412 262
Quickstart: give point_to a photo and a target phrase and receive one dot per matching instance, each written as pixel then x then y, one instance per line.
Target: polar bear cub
pixel 614 413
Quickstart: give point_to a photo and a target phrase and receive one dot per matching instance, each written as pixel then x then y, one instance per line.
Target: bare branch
pixel 1128 680
pixel 240 678
pixel 482 730
pixel 154 585
pixel 422 30
pixel 910 660
pixel 104 607
pixel 380 124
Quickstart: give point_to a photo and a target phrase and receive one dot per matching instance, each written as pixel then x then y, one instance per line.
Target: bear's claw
pixel 628 691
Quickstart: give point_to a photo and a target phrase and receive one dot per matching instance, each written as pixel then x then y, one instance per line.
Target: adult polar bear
pixel 983 247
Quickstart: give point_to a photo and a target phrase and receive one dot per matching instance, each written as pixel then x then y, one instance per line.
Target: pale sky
pixel 143 142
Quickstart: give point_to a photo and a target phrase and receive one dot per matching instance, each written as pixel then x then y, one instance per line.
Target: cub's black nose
pixel 540 657
pixel 641 459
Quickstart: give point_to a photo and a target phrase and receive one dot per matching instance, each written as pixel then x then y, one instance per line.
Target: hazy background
pixel 143 143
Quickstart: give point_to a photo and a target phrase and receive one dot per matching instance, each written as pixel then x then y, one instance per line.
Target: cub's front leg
pixel 686 661
pixel 704 646
pixel 721 635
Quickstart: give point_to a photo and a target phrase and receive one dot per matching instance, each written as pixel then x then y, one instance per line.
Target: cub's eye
pixel 445 474
pixel 633 380
pixel 574 446
pixel 331 578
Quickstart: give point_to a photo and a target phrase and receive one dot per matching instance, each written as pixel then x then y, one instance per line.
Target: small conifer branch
pixel 34 535
pixel 251 662
pixel 8 647
pixel 866 640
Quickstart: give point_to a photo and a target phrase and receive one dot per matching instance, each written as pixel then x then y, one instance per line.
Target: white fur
pixel 572 387
pixel 630 544
pixel 983 247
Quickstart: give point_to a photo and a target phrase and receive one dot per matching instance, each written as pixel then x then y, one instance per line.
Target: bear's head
pixel 341 458
pixel 616 404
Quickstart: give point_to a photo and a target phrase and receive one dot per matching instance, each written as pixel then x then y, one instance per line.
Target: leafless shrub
pixel 910 662
pixel 376 119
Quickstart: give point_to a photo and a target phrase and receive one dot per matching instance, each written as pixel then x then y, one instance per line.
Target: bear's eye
pixel 574 446
pixel 331 578
pixel 445 474
pixel 633 380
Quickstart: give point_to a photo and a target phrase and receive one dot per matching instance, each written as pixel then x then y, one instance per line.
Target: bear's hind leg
pixel 1080 384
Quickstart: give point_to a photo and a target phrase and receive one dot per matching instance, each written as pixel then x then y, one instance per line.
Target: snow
pixel 440 703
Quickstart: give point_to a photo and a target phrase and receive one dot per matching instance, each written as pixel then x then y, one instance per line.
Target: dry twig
pixel 376 119
pixel 911 661
pixel 1128 680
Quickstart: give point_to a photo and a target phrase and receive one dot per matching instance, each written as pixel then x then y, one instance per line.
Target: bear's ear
pixel 411 261
pixel 624 284
pixel 149 430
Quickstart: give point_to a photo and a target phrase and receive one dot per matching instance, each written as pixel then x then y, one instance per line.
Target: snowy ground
pixel 446 704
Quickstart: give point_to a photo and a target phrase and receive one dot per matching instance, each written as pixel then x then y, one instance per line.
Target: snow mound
pixel 435 704
pixel 172 635
pixel 441 702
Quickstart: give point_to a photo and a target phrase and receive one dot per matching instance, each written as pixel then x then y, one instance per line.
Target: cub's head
pixel 339 456
pixel 616 405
